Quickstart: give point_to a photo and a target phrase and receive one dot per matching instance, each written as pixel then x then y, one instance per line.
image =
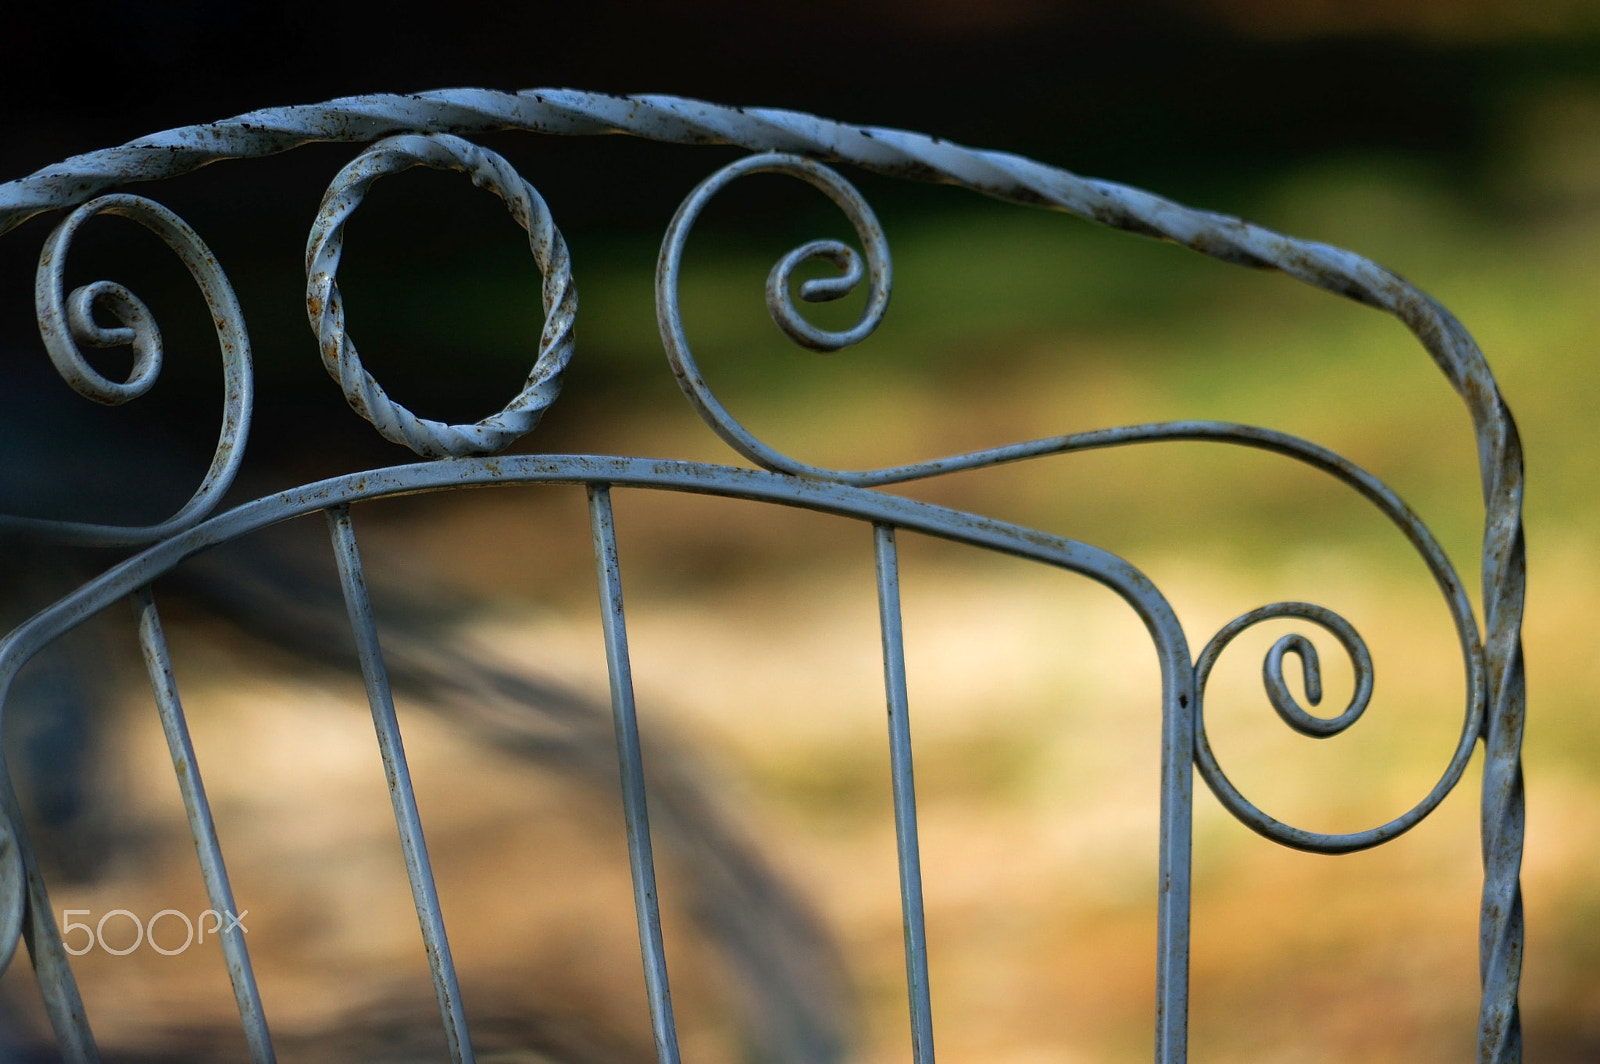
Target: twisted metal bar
pixel 66 321
pixel 1010 177
pixel 325 305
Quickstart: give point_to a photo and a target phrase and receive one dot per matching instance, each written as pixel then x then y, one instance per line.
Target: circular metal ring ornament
pixel 325 305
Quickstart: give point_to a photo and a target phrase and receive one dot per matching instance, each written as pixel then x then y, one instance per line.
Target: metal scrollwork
pixel 1495 680
pixel 1318 727
pixel 1311 670
pixel 325 305
pixel 877 272
pixel 68 320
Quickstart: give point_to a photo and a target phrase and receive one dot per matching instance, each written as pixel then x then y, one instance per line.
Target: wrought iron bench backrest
pixel 427 130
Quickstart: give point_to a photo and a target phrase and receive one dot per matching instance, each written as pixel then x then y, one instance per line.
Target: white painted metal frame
pixel 427 130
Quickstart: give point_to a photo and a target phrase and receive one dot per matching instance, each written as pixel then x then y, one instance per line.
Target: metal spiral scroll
pixel 780 302
pixel 66 321
pixel 1317 727
pixel 325 305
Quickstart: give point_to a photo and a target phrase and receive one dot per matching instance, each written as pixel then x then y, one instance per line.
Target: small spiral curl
pixel 1308 724
pixel 68 320
pixel 138 330
pixel 325 305
pixel 877 272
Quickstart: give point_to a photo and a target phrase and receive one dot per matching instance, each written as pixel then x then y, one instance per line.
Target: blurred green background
pixel 1456 143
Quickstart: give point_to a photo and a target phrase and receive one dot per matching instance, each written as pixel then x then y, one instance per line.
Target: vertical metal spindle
pixel 646 906
pixel 1172 893
pixel 905 795
pixel 158 663
pixel 423 891
pixel 62 1002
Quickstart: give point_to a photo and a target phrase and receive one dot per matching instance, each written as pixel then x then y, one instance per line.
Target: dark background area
pixel 1138 89
pixel 1209 103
